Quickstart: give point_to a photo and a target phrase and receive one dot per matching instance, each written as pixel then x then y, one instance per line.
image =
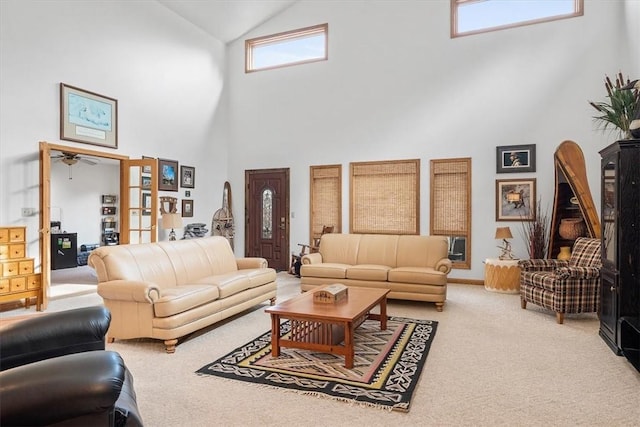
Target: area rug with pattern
pixel 387 364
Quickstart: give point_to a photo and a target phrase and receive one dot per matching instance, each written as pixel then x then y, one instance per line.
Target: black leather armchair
pixel 54 370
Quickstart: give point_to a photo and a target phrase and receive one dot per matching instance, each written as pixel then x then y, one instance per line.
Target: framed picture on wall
pixel 168 170
pixel 146 203
pixel 516 158
pixel 187 177
pixel 88 117
pixel 516 199
pixel 187 208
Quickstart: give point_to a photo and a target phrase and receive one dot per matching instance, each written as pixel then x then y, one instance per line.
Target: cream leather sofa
pixel 167 290
pixel 411 267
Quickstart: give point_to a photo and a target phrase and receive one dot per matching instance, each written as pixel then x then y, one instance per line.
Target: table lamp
pixel 171 221
pixel 504 233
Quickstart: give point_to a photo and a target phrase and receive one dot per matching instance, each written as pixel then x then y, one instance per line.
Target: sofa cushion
pixel 421 251
pixel 368 272
pixel 376 249
pixel 327 269
pixel 259 276
pixel 420 275
pixel 229 283
pixel 178 299
pixel 339 248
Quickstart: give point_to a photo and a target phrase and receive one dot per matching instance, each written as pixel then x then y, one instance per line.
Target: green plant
pixel 620 110
pixel 536 233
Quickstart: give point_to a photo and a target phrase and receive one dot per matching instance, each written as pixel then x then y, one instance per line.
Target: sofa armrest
pixel 52 335
pixel 577 273
pixel 542 264
pixel 444 265
pixel 62 388
pixel 314 258
pixel 251 262
pixel 129 290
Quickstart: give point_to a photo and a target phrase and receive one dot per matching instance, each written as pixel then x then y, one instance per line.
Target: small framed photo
pixel 88 117
pixel 187 177
pixel 146 203
pixel 147 169
pixel 168 170
pixel 108 210
pixel 187 208
pixel 516 199
pixel 516 158
pixel 146 182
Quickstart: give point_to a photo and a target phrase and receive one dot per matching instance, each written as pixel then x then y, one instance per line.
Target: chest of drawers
pixel 18 279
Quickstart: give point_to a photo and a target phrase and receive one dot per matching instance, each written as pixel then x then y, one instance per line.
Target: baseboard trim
pixel 479 282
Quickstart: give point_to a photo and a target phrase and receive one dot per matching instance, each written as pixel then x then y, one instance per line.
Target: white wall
pixel 396 86
pixel 166 74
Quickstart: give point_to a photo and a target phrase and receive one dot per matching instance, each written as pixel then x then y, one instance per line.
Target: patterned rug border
pixel 395 393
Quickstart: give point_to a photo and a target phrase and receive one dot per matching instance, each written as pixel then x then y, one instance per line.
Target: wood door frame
pixel 287 206
pixel 45 204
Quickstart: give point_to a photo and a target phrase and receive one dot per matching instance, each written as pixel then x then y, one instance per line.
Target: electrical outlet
pixel 28 211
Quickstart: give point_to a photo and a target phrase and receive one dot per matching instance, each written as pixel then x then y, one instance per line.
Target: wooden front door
pixel 267 216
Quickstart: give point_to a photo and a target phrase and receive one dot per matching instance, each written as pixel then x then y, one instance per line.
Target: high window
pixel 476 16
pixel 289 48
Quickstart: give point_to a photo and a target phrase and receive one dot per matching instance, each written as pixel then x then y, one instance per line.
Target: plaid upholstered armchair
pixel 564 286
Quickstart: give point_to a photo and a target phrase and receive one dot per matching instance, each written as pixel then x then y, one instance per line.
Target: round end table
pixel 502 275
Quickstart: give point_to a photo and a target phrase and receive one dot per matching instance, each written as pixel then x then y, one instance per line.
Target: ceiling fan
pixel 71 159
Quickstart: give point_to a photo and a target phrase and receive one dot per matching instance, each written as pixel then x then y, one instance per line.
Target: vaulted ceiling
pixel 227 20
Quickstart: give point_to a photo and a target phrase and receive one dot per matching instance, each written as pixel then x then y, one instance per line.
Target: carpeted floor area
pixel 492 364
pixel 387 364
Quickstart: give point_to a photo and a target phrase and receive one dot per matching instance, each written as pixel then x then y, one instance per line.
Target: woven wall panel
pixel 385 197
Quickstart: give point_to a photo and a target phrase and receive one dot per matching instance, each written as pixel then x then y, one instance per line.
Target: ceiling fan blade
pixel 87 161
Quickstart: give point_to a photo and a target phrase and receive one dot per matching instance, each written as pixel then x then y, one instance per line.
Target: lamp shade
pixel 171 221
pixel 503 233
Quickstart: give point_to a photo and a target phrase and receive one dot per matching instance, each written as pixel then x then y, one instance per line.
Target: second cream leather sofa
pixel 166 290
pixel 411 267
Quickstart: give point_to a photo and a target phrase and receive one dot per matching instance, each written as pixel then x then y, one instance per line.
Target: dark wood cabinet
pixel 620 273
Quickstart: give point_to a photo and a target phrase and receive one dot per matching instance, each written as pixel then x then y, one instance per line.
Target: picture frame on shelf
pixel 516 199
pixel 516 158
pixel 88 117
pixel 187 208
pixel 168 171
pixel 187 176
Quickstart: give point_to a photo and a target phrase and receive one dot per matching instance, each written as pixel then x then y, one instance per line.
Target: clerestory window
pixel 289 48
pixel 476 16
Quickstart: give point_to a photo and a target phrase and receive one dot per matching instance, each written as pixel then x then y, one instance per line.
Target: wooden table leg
pixel 348 344
pixel 275 335
pixel 383 314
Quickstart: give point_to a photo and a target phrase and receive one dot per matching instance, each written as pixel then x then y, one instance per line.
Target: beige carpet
pixel 492 364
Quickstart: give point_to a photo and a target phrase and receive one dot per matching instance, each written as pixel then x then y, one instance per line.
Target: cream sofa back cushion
pixel 164 264
pixel 378 249
pixel 339 248
pixel 421 251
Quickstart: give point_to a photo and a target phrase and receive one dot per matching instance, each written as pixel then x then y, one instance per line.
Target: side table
pixel 502 275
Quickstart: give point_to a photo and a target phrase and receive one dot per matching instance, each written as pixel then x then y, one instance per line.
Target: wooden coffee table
pixel 326 327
